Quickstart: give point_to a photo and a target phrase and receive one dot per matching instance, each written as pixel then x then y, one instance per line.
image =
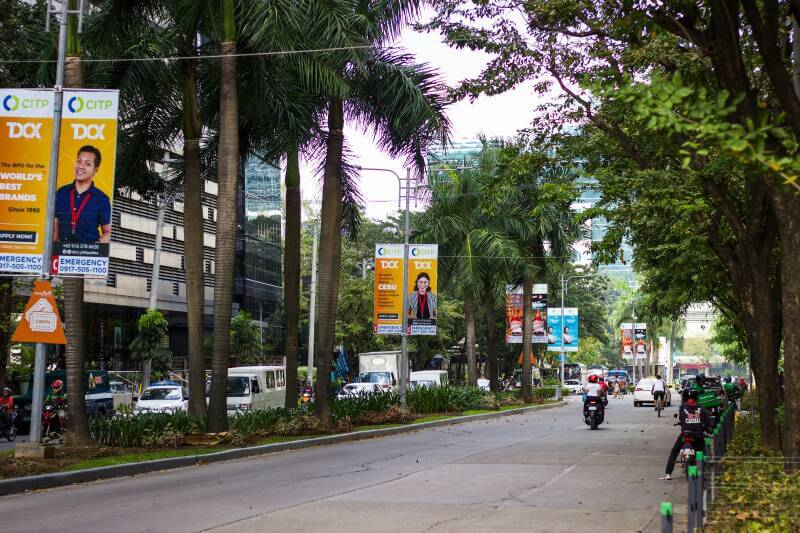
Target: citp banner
pixel 539 295
pixel 568 331
pixel 388 290
pixel 514 314
pixel 26 134
pixel 626 331
pixel 640 340
pixel 422 303
pixel 86 158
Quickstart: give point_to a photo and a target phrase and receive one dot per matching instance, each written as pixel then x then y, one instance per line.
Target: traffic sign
pixel 40 322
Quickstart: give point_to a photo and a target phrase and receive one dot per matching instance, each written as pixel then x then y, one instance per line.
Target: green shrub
pixel 356 408
pixel 545 393
pixel 447 399
pixel 259 421
pixel 144 430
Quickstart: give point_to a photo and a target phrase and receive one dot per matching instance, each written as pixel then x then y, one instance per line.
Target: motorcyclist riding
pixel 58 400
pixel 693 420
pixel 592 389
pixel 6 407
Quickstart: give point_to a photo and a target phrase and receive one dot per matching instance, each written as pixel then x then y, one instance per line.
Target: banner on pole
pixel 640 340
pixel 86 159
pixel 26 133
pixel 568 331
pixel 626 331
pixel 40 321
pixel 514 314
pixel 539 304
pixel 388 290
pixel 422 303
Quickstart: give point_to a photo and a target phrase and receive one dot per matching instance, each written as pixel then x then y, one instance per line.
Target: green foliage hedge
pixel 147 430
pixel 447 399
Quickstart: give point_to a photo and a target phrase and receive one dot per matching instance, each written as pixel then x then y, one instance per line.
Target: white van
pixel 255 387
pixel 429 378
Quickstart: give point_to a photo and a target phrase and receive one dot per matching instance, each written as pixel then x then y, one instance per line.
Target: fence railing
pixel 705 475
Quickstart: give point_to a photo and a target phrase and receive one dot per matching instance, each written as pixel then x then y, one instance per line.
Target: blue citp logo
pixel 415 252
pixel 381 251
pixel 10 102
pixel 75 104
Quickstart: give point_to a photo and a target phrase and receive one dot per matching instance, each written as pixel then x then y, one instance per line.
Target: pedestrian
pixel 617 390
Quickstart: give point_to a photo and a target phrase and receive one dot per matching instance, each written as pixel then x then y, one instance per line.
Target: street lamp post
pixel 564 283
pixel 402 188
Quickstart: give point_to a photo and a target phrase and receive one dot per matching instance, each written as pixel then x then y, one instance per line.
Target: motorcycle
pixel 593 412
pixel 8 429
pixel 51 429
pixel 306 398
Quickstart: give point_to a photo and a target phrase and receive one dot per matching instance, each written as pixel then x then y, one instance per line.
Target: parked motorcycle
pixel 593 412
pixel 8 429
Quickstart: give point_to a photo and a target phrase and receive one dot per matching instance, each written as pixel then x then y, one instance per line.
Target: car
pixel 354 390
pixel 642 393
pixel 162 397
pixel 573 385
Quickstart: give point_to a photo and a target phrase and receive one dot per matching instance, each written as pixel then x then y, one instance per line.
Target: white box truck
pixel 381 368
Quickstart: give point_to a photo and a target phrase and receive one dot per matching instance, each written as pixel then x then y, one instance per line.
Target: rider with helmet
pixel 592 389
pixel 58 400
pixel 693 420
pixel 6 407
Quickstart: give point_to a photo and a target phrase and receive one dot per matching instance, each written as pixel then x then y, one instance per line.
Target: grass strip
pixel 139 457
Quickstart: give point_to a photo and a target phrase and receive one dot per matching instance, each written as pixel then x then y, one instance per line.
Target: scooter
pixel 306 398
pixel 9 430
pixel 593 412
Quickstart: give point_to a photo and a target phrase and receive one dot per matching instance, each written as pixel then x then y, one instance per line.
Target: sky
pixel 494 116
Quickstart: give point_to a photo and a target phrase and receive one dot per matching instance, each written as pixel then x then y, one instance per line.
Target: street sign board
pixel 40 321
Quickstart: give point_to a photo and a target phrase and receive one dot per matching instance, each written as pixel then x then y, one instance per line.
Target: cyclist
pixel 658 389
pixel 695 421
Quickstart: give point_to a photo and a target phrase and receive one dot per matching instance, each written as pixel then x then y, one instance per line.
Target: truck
pixel 381 368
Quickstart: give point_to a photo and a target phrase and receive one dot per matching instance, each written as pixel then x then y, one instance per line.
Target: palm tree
pixel 404 104
pixel 73 288
pixel 472 232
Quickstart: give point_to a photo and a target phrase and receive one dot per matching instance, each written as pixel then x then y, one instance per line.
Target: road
pixel 540 471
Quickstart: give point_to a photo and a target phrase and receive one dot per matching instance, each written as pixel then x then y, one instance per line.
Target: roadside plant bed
pixel 755 494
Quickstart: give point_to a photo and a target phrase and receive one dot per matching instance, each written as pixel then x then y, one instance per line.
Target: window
pixel 208 266
pixel 111 280
pixel 175 288
pixel 139 255
pixel 211 214
pixel 270 380
pixel 149 285
pixel 281 378
pixel 254 386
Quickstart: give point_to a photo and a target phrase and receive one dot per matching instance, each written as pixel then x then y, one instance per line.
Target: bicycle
pixel 659 405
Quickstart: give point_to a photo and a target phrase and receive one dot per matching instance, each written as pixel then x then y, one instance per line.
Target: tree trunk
pixel 469 339
pixel 490 314
pixel 527 330
pixel 225 253
pixel 787 209
pixel 193 240
pixel 330 253
pixel 291 275
pixel 77 421
pixel 6 326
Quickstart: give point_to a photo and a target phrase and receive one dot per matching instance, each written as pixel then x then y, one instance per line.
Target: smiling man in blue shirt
pixel 83 212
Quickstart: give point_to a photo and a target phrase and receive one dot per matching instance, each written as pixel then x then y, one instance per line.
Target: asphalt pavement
pixel 539 471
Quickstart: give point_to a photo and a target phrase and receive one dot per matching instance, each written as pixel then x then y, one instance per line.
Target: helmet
pixel 689 394
pixel 593 378
pixel 57 384
pixel 7 389
pixel 728 379
pixel 700 378
pixel 658 376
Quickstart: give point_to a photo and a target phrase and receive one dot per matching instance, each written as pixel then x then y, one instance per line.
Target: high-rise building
pixel 115 303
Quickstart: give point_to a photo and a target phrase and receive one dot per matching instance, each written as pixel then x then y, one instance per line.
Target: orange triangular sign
pixel 40 321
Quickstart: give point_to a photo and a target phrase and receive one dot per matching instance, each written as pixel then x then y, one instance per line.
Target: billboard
pixel 568 331
pixel 26 134
pixel 422 302
pixel 388 290
pixel 85 189
pixel 514 314
pixel 626 331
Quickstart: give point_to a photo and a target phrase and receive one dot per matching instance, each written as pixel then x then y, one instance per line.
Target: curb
pixel 58 479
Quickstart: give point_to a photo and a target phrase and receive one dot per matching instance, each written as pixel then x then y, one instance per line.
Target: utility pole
pixel 40 360
pixel 404 346
pixel 633 341
pixel 162 200
pixel 312 311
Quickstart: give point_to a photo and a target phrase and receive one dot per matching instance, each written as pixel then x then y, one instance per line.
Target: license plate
pixel 593 408
pixel 688 452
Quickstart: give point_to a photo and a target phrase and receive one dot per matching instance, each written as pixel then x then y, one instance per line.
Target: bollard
pixel 701 478
pixel 693 500
pixel 666 517
pixel 713 473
